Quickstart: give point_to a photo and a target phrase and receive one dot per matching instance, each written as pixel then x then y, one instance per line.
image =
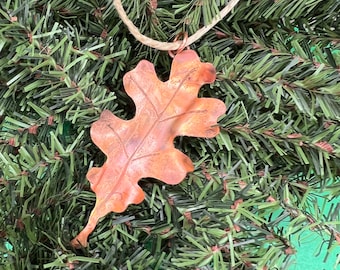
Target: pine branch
pixel 275 163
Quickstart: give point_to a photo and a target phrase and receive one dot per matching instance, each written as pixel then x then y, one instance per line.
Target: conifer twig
pixel 171 46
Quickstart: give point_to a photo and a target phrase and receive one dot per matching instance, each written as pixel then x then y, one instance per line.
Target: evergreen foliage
pixel 278 63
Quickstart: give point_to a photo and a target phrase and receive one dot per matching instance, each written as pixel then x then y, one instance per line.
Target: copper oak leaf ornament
pixel 143 146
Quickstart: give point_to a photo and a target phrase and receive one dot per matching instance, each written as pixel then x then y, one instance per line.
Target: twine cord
pixel 170 46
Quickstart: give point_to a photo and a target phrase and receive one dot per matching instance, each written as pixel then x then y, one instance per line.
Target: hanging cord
pixel 170 46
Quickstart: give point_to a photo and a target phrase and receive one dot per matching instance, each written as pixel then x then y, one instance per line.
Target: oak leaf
pixel 143 146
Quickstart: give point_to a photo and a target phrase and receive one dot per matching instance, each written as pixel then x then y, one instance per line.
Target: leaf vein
pixel 181 114
pixel 120 140
pixel 145 95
